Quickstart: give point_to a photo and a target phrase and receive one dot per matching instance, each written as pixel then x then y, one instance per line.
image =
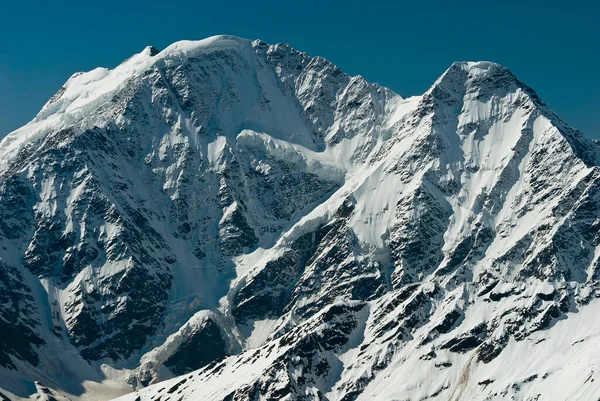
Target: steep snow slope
pixel 557 364
pixel 296 233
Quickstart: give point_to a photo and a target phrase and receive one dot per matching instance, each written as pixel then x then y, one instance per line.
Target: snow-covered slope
pixel 263 226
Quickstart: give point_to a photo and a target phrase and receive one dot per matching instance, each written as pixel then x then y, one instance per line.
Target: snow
pixel 215 150
pixel 400 107
pixel 562 363
pixel 196 48
pixel 553 364
pixel 480 158
pixel 86 92
pixel 259 331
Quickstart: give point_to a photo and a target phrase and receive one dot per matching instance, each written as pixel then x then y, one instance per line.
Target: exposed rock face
pixel 295 233
pixel 18 319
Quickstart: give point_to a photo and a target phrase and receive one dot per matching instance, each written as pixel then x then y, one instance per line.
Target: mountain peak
pixel 255 212
pixel 194 47
pixel 151 51
pixel 477 76
pixel 483 66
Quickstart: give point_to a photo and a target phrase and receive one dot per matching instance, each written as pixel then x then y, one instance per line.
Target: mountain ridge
pixel 293 232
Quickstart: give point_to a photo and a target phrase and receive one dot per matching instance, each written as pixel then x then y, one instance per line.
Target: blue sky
pixel 553 46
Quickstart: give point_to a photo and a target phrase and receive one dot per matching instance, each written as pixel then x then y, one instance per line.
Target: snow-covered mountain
pixel 248 222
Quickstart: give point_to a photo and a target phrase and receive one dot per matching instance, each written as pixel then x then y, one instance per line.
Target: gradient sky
pixel 553 46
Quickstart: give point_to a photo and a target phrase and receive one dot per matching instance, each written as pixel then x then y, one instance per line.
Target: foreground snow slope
pixel 552 365
pixel 257 223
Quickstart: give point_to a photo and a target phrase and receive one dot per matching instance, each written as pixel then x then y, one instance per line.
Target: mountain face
pixel 248 222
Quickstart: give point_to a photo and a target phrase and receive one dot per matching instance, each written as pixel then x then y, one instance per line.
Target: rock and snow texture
pixel 248 222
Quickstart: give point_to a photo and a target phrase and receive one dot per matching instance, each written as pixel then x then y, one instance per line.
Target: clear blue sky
pixel 553 46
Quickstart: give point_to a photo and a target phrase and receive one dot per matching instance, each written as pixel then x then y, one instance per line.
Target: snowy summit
pixel 230 220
